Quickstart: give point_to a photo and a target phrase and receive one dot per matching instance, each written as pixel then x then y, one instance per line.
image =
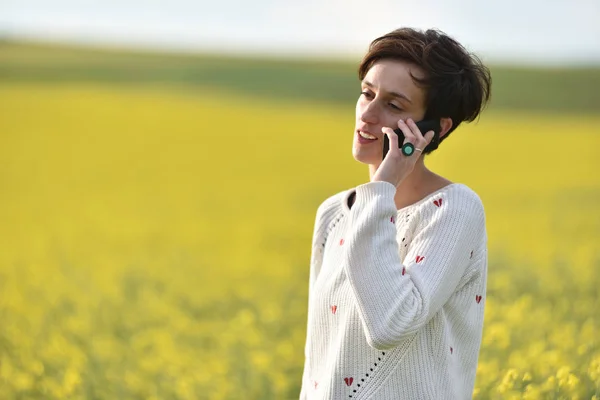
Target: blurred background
pixel 161 164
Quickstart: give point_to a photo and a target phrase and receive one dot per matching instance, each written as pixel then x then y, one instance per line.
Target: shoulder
pixel 454 203
pixel 453 217
pixel 333 203
pixel 331 208
pixel 463 197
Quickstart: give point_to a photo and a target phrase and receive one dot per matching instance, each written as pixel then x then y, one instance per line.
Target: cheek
pixel 358 109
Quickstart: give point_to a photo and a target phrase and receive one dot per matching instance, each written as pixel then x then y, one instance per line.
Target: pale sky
pixel 531 31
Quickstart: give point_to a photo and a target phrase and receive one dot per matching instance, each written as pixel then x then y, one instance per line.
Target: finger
pixel 409 136
pixel 427 139
pixel 429 136
pixel 393 138
pixel 414 128
pixel 420 141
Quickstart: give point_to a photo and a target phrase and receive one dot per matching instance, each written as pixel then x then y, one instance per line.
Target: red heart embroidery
pixel 341 242
pixel 403 270
pixel 477 299
pixel 451 350
pixel 348 381
pixel 316 384
pixel 420 258
pixel 333 309
pixel 392 220
pixel 438 202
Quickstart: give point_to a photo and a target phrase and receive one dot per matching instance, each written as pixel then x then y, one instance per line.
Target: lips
pixel 364 140
pixel 367 135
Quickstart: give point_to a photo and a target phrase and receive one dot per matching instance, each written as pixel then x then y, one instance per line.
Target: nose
pixel 369 113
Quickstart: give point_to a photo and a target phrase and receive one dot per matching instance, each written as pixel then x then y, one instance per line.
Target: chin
pixel 365 157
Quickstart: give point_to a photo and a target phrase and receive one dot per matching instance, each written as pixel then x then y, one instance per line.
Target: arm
pixel 324 216
pixel 395 300
pixel 326 213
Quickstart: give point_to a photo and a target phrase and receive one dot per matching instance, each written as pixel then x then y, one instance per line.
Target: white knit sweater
pixel 396 297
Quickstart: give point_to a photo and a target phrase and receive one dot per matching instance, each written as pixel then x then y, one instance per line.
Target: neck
pixel 418 184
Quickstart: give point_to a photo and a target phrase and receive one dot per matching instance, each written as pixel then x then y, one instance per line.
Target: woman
pixel 399 265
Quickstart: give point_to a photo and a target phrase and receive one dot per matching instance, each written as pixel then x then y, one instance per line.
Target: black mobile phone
pixel 424 126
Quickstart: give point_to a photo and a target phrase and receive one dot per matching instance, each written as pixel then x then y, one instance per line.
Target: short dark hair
pixel 456 82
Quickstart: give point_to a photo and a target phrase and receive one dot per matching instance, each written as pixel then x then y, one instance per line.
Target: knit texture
pixel 396 297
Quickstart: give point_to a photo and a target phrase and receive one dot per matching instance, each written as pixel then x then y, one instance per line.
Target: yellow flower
pixel 22 381
pixel 594 370
pixel 572 381
pixel 550 384
pixel 532 392
pixel 71 380
pixel 36 367
pixel 261 360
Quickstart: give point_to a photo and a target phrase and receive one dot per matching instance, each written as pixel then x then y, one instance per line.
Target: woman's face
pixel 388 94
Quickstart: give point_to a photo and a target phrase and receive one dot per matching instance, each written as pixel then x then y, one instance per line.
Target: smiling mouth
pixel 366 135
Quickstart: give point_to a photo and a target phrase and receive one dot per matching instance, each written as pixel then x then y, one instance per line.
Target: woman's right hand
pixel 395 167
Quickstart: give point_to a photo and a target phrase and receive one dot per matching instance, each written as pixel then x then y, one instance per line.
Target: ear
pixel 446 125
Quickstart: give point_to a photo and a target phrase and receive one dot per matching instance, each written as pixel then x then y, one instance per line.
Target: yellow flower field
pixel 155 242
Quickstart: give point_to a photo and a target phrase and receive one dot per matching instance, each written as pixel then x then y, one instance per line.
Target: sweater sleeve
pixel 325 214
pixel 395 300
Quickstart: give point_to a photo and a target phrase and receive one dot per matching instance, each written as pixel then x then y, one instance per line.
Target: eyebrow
pixel 393 94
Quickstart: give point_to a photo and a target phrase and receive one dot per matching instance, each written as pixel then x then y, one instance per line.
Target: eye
pixel 395 107
pixel 368 95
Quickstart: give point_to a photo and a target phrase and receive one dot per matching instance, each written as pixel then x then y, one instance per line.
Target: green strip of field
pixel 552 90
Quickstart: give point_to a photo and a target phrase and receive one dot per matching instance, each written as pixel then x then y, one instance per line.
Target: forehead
pixel 395 76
